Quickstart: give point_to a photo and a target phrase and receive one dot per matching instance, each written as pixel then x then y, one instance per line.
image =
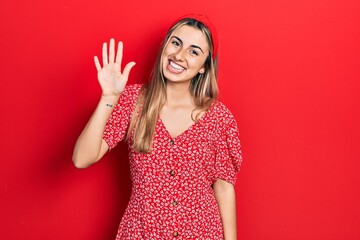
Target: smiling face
pixel 184 54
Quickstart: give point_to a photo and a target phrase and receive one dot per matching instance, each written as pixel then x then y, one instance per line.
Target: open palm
pixel 111 79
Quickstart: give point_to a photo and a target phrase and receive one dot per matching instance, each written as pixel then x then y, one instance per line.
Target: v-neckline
pixel 180 134
pixel 187 129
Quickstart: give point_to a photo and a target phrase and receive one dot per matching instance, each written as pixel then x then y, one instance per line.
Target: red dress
pixel 171 196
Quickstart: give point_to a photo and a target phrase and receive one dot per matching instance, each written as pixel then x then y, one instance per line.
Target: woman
pixel 184 148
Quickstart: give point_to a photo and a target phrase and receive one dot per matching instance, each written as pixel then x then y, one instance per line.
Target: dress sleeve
pixel 228 151
pixel 118 122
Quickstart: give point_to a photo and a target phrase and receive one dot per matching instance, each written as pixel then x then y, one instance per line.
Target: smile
pixel 173 67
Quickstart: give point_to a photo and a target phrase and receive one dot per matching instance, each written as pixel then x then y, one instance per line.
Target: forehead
pixel 191 36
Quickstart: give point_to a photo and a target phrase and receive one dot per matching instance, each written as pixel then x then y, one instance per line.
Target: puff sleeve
pixel 118 122
pixel 228 149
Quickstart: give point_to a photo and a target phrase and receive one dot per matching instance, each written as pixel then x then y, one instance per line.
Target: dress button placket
pixel 172 174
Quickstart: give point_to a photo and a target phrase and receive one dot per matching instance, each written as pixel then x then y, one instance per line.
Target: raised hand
pixel 111 79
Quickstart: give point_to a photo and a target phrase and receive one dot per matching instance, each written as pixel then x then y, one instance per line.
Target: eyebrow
pixel 193 46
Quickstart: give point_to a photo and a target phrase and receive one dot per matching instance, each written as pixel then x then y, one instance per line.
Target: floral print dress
pixel 172 195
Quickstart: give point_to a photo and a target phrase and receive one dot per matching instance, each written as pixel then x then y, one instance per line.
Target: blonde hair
pixel 152 96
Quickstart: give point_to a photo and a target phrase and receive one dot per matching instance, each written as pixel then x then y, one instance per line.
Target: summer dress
pixel 172 195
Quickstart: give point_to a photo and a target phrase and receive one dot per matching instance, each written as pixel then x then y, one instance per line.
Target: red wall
pixel 289 71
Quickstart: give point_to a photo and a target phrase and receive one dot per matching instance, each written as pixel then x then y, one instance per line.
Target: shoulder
pixel 221 119
pixel 129 95
pixel 132 89
pixel 225 122
pixel 131 92
pixel 221 112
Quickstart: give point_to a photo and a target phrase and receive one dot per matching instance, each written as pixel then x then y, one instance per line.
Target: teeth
pixel 177 67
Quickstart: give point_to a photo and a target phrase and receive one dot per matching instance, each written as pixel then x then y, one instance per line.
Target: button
pixel 172 173
pixel 172 142
pixel 174 203
pixel 175 234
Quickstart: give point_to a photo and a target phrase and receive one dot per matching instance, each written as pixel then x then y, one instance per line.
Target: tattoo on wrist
pixel 109 105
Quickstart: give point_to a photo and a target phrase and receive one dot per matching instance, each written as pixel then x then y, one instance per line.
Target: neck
pixel 178 93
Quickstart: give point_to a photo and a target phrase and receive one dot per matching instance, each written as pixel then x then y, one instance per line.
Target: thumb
pixel 128 68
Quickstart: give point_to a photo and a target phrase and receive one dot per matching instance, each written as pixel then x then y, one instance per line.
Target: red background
pixel 289 71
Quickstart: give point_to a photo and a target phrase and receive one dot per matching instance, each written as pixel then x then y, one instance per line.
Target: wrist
pixel 110 96
pixel 109 101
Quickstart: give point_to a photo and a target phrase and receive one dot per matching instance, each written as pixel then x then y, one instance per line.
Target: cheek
pixel 163 58
pixel 167 51
pixel 197 63
pixel 165 54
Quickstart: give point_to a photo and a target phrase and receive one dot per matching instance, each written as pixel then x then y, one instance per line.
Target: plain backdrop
pixel 289 72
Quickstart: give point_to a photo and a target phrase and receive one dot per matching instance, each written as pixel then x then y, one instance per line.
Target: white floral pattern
pixel 172 195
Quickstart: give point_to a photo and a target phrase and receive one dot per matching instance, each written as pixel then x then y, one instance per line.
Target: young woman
pixel 184 147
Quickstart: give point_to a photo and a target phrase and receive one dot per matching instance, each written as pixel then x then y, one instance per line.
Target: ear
pixel 202 70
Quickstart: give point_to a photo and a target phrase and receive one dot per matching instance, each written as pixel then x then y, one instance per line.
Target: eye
pixel 175 43
pixel 194 52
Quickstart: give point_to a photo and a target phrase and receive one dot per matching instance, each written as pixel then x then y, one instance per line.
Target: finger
pixel 119 53
pixel 97 63
pixel 128 68
pixel 104 54
pixel 112 51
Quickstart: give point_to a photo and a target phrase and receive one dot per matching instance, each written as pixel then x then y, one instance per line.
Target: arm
pixel 225 197
pixel 90 146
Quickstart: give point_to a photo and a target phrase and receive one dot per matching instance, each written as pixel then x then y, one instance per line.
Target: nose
pixel 180 55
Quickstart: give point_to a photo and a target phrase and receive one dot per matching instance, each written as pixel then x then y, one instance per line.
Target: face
pixel 184 54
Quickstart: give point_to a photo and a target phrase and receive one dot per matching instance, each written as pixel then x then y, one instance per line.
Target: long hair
pixel 152 96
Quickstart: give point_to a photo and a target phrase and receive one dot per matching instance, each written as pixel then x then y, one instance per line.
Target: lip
pixel 171 60
pixel 174 67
